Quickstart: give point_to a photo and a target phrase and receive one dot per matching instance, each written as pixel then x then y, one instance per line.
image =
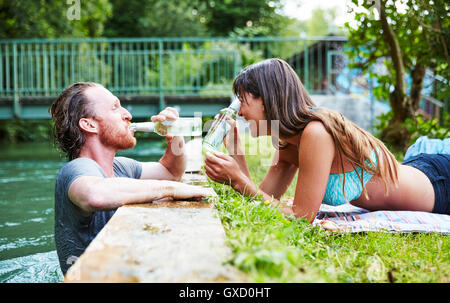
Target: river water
pixel 27 179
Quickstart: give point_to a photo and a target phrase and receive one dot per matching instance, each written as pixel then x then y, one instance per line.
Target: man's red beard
pixel 118 138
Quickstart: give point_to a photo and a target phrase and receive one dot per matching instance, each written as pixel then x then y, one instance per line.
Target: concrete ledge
pixel 161 241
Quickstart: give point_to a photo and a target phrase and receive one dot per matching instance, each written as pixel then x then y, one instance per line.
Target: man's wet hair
pixel 67 110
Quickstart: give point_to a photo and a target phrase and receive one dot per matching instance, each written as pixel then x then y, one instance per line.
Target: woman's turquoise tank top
pixel 353 187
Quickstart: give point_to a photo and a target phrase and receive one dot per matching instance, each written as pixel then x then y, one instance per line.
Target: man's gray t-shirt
pixel 73 230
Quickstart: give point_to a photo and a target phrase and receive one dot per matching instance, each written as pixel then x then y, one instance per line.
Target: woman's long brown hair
pixel 286 100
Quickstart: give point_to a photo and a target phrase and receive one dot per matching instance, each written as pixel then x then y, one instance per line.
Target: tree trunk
pixel 395 134
pixel 417 74
pixel 404 107
pixel 401 105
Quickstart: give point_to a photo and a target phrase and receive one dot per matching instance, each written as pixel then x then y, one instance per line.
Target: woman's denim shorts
pixel 437 168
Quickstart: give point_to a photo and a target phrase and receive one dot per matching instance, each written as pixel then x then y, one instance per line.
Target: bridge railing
pixel 139 66
pixel 41 68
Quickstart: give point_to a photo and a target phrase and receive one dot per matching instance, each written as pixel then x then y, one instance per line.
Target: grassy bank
pixel 271 248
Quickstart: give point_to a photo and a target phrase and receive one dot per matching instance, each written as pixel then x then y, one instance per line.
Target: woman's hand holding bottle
pixel 222 168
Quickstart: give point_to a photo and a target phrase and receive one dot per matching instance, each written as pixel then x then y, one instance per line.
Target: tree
pixel 48 19
pixel 410 42
pixel 321 22
pixel 156 18
pixel 181 18
pixel 224 17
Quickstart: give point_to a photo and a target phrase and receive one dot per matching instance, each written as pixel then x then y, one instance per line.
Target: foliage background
pixel 146 18
pixel 422 31
pixel 411 38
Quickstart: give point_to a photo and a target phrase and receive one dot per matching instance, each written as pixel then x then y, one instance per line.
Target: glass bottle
pixel 220 126
pixel 179 127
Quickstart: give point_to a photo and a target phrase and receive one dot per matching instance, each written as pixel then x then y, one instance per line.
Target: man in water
pixel 90 127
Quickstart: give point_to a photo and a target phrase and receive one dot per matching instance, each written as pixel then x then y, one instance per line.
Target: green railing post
pixel 1 68
pixel 236 65
pixel 161 92
pixel 306 67
pixel 329 71
pixel 16 104
pixel 45 67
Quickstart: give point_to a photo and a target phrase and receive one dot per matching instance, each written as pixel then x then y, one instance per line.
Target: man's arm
pixel 172 164
pixel 96 193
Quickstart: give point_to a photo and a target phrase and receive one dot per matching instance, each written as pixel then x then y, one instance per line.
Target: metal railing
pixel 43 67
pixel 159 66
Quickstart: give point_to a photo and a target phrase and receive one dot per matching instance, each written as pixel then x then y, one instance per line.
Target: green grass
pixel 271 248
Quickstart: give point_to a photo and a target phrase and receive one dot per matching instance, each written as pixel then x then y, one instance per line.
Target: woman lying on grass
pixel 338 161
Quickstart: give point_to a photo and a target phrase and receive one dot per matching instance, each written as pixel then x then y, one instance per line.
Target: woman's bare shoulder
pixel 315 130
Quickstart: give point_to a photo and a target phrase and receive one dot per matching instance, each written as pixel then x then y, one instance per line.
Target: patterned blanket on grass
pixel 349 218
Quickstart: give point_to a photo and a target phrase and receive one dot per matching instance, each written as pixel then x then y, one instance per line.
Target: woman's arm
pixel 276 181
pixel 233 144
pixel 315 157
pixel 223 168
pixel 280 174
